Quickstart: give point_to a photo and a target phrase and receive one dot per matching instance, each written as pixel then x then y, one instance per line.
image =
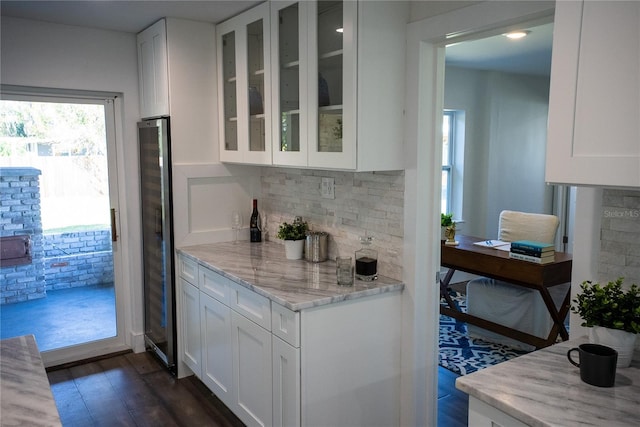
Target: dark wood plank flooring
pixel 453 404
pixel 136 390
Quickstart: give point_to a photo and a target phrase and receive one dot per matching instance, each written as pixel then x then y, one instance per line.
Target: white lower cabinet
pixel 190 316
pixel 484 415
pixel 251 346
pixel 332 365
pixel 217 365
pixel 286 384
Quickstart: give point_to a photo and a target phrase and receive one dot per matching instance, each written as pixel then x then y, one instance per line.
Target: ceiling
pixel 531 55
pixel 123 15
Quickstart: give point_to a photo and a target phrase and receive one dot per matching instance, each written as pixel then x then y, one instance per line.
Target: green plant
pixel 446 220
pixel 609 306
pixel 297 230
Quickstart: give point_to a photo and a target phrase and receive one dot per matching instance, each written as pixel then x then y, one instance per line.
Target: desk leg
pixel 558 322
pixel 444 291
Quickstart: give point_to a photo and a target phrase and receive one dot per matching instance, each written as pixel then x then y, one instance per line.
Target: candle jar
pixel 366 261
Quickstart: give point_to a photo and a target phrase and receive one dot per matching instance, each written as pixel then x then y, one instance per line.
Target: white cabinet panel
pixel 152 71
pixel 251 305
pixel 285 324
pixel 251 371
pixel 594 104
pixel 190 313
pixel 217 365
pixel 286 384
pixel 188 270
pixel 215 285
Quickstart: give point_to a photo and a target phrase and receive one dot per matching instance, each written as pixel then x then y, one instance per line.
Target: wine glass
pixel 236 223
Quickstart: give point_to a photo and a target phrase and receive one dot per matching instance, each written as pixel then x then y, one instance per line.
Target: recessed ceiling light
pixel 514 35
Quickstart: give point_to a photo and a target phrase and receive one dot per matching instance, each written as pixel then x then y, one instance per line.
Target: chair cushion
pixel 514 226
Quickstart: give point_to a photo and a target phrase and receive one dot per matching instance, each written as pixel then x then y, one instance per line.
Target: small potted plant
pixel 447 228
pixel 293 235
pixel 612 314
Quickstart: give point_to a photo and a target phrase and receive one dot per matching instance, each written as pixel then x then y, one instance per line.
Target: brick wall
pixel 620 236
pixel 20 215
pixel 78 259
pixel 372 201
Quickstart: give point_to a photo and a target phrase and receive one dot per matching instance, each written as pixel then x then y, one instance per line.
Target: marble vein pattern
pixel 295 284
pixel 543 389
pixel 25 392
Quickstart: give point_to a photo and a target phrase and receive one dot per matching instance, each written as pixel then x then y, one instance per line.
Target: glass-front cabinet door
pixel 289 83
pixel 314 83
pixel 245 93
pixel 332 44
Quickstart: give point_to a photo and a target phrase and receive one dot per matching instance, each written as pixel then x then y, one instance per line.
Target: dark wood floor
pixel 136 390
pixel 452 403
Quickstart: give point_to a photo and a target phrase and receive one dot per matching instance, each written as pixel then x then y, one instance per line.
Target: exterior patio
pixel 64 317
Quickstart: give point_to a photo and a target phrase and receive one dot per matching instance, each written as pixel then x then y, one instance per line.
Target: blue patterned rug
pixel 464 355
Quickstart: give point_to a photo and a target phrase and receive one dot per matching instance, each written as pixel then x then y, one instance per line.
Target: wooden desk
pixel 494 263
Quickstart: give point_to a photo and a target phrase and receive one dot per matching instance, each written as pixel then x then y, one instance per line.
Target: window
pixel 448 140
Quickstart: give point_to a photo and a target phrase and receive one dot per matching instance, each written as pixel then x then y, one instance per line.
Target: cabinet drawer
pixel 251 305
pixel 285 324
pixel 188 270
pixel 215 285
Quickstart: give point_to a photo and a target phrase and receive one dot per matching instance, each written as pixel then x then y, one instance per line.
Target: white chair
pixel 514 306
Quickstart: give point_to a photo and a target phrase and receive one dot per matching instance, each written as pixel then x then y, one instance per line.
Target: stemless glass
pixel 236 223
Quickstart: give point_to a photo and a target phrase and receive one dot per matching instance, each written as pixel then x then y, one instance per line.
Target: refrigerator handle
pixel 114 231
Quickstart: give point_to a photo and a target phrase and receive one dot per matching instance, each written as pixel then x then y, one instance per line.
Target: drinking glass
pixel 236 223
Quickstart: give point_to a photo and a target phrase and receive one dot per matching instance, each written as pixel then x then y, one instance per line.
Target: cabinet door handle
pixel 114 231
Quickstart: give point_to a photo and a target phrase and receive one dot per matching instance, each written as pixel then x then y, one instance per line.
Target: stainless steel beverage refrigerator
pixel 157 239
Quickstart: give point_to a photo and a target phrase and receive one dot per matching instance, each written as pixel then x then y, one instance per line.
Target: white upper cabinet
pixel 594 105
pixel 338 84
pixel 152 71
pixel 244 87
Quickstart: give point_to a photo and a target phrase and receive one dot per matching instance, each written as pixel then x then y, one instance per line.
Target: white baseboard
pixel 137 342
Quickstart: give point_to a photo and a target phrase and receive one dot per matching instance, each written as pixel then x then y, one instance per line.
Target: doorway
pixel 423 146
pixel 65 145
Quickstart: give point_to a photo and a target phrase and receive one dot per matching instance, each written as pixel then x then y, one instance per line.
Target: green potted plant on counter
pixel 612 314
pixel 294 235
pixel 446 220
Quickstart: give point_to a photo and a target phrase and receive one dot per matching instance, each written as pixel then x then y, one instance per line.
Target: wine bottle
pixel 255 230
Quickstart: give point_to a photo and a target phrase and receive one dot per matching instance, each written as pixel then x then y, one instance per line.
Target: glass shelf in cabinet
pixel 291 64
pixel 331 54
pixel 331 109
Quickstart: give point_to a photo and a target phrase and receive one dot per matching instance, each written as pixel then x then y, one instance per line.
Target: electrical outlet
pixel 327 188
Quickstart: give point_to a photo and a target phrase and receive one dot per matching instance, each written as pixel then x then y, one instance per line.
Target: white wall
pixel 505 144
pixel 39 54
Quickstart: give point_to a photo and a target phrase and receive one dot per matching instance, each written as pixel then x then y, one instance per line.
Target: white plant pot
pixel 293 249
pixel 622 341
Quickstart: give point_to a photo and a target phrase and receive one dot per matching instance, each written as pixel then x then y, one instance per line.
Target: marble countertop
pixel 24 387
pixel 295 284
pixel 543 389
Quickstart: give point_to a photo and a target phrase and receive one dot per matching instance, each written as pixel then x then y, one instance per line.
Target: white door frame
pixel 113 128
pixel 426 40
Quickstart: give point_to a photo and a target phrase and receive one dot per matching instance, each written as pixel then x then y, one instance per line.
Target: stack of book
pixel 528 250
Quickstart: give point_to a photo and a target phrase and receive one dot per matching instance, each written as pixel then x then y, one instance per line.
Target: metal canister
pixel 315 247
